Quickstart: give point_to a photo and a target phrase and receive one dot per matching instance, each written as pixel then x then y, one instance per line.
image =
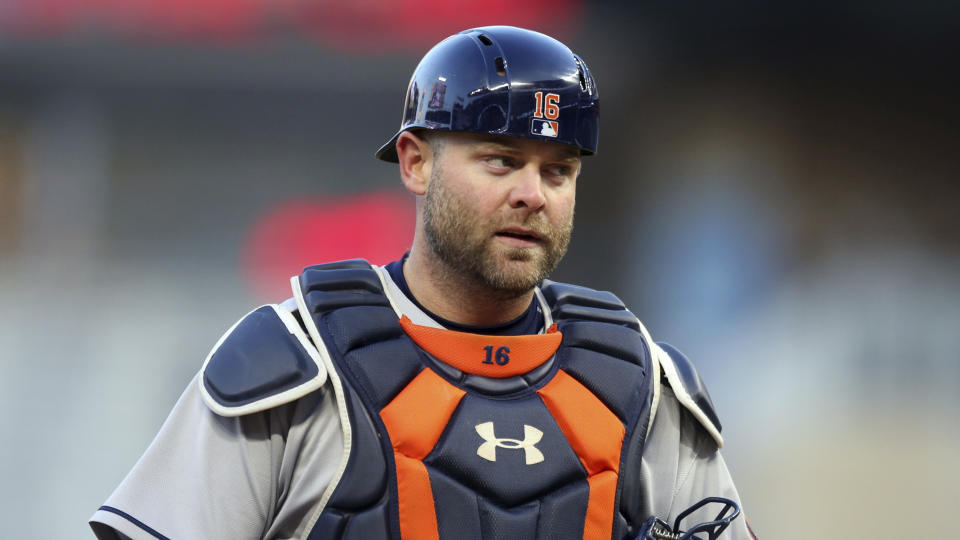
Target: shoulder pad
pixel 689 388
pixel 263 361
pixel 341 284
pixel 568 301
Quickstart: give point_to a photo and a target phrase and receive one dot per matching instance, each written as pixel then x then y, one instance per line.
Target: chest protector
pixel 455 435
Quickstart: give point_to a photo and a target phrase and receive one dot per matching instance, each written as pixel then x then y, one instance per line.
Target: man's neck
pixel 457 297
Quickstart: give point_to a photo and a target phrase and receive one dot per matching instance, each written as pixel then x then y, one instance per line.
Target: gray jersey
pixel 263 475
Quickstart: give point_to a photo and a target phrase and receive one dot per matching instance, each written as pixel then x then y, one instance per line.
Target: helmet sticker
pixel 547 106
pixel 546 128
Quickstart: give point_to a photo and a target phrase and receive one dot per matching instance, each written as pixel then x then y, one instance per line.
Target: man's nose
pixel 528 190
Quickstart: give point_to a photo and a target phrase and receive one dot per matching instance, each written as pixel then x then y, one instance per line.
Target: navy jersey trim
pixel 530 322
pixel 133 520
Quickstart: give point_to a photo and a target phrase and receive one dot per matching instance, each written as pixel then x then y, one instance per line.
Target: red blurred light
pixel 368 26
pixel 388 25
pixel 377 226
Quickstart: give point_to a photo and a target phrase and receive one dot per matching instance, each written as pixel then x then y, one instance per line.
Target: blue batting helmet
pixel 502 80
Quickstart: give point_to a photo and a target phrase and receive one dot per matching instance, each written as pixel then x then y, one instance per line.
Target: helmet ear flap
pixel 388 152
pixel 502 80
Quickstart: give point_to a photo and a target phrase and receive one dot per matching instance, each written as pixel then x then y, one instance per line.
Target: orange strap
pixel 596 435
pixel 600 506
pixel 415 419
pixel 489 356
pixel 418 514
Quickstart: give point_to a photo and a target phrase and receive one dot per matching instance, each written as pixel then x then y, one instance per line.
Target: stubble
pixel 464 242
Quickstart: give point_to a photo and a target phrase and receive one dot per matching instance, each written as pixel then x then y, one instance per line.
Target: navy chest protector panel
pixel 437 452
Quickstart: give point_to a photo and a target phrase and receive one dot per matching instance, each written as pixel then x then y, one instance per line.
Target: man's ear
pixel 416 159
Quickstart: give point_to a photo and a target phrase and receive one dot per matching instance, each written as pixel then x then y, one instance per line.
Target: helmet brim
pixel 388 152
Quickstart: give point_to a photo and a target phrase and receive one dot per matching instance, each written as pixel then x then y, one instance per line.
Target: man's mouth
pixel 520 236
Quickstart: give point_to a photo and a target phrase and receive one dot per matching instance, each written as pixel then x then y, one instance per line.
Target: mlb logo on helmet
pixel 547 128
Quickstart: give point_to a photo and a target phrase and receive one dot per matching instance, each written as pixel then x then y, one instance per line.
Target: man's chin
pixel 517 271
pixel 517 260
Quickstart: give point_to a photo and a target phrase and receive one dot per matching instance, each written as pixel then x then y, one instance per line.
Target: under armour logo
pixel 488 450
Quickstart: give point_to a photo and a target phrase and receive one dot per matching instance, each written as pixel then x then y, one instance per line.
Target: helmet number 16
pixel 548 106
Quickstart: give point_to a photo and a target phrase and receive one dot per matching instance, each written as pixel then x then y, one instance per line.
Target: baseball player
pixel 455 393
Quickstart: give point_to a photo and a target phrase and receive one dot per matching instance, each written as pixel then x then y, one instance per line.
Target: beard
pixel 465 242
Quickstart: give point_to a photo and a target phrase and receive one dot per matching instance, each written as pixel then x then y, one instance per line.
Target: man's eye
pixel 503 162
pixel 560 170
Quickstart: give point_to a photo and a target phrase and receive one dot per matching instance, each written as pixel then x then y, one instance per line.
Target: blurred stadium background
pixel 775 194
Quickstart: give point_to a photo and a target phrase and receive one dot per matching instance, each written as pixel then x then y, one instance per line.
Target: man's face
pixel 499 210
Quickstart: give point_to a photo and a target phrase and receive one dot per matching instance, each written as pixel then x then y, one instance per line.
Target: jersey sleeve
pixel 209 476
pixel 683 465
